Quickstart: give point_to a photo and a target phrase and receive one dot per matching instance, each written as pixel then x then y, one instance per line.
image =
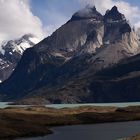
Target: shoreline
pixel 37 121
pixel 60 129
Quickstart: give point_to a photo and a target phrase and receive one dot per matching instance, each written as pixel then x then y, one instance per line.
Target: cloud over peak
pixel 17 19
pixel 131 12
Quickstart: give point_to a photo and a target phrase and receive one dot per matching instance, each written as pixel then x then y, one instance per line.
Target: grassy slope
pixel 32 121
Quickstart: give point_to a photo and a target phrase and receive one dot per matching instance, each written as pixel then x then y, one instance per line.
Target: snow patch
pixel 34 40
pixel 57 54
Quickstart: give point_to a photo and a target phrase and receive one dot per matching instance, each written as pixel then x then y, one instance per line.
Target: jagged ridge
pixel 58 69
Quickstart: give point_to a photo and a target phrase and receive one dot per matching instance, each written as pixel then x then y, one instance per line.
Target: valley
pixel 69 70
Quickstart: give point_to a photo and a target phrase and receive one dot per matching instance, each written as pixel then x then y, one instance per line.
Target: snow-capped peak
pixel 30 37
pixel 19 45
pixel 11 53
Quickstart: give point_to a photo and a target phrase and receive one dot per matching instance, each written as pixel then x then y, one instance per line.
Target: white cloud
pixel 16 19
pixel 131 12
pixel 59 17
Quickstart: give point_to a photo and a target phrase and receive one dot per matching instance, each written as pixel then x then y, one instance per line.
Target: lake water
pixel 107 131
pixel 4 104
pixel 58 106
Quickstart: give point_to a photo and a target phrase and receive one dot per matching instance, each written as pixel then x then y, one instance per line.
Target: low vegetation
pixel 37 121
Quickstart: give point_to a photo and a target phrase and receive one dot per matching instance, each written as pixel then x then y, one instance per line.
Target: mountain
pixel 138 33
pixel 11 52
pixel 119 83
pixel 65 67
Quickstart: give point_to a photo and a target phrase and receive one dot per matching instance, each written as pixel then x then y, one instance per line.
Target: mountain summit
pixel 87 13
pixel 63 67
pixel 11 52
pixel 114 15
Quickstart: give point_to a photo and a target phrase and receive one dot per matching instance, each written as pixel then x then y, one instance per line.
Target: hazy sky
pixel 42 17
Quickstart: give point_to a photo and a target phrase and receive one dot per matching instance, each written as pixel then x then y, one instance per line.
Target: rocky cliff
pixel 63 67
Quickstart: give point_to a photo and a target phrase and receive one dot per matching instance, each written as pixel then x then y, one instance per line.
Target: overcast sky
pixel 42 17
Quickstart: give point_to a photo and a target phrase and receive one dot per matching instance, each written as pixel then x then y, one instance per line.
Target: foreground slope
pixel 62 68
pixel 35 121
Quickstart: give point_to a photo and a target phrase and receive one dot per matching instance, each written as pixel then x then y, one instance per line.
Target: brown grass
pixel 35 121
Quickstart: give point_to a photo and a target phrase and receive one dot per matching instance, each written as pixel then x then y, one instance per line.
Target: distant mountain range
pixel 11 52
pixel 91 58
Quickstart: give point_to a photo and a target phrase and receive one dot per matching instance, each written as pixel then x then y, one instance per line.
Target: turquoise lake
pixel 58 106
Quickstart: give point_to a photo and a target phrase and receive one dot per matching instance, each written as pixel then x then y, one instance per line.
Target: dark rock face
pixel 114 15
pixel 64 68
pixel 119 83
